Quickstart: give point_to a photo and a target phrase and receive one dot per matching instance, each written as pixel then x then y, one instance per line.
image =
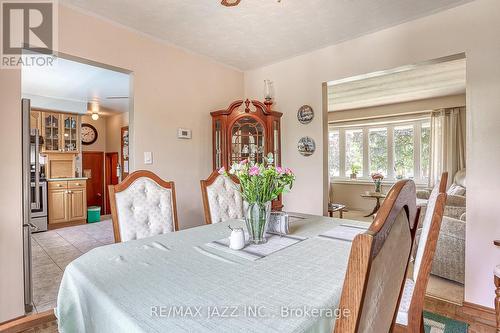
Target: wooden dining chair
pixel 410 313
pixel 221 198
pixel 142 205
pixel 378 264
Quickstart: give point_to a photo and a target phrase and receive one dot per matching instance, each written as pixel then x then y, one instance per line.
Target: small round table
pixel 335 207
pixel 377 196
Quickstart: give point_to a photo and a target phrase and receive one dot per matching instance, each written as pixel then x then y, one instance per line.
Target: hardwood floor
pixel 481 320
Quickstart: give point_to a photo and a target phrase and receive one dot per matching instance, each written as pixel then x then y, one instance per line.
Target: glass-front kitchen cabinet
pixel 246 130
pixel 60 132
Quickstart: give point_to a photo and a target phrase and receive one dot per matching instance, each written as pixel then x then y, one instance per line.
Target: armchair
pixel 449 259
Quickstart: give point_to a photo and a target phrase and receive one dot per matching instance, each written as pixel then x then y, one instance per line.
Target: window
pixel 334 153
pixel 378 150
pixel 397 149
pixel 403 151
pixel 354 151
pixel 425 151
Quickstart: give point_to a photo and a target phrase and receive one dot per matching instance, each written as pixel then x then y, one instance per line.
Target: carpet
pixel 434 323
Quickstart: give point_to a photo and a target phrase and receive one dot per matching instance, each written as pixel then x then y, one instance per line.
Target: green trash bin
pixel 93 214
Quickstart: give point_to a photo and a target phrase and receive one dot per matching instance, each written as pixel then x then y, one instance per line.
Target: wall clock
pixel 89 134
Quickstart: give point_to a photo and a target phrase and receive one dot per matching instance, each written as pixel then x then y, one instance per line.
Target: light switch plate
pixel 184 133
pixel 148 157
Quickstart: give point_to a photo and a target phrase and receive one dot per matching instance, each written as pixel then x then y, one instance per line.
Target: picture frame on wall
pixel 124 138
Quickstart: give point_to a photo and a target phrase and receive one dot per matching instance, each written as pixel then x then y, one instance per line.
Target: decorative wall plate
pixel 305 114
pixel 306 146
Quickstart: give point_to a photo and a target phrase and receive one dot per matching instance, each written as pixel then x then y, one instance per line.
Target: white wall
pixel 472 28
pixel 172 88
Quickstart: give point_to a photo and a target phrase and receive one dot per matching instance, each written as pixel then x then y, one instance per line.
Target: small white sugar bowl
pixel 237 238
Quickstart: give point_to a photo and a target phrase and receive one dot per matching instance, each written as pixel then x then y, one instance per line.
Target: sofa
pixel 449 259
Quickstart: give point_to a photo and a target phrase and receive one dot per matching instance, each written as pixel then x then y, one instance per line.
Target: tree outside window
pixel 378 150
pixel 403 152
pixel 354 151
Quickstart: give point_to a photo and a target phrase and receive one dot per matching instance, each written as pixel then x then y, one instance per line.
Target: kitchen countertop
pixel 68 178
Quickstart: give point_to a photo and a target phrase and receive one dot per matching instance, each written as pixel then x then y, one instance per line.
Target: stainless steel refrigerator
pixel 34 198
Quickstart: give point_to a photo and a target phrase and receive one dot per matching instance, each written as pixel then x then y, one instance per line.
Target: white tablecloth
pixel 173 283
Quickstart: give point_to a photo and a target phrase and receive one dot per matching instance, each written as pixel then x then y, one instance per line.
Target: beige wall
pixel 172 88
pixel 114 124
pixel 11 241
pixel 472 28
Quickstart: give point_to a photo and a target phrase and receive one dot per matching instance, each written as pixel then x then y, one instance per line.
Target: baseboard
pixel 479 307
pixel 483 314
pixel 26 322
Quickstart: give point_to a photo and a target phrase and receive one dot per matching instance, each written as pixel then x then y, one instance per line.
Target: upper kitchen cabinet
pixel 60 132
pixel 70 133
pixel 36 121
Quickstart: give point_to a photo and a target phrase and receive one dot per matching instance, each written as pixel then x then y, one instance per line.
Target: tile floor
pixel 53 250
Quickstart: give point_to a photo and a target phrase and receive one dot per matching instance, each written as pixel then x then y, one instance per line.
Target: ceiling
pixel 70 85
pixel 259 32
pixel 404 84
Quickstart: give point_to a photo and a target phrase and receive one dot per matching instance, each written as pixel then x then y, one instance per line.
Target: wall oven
pixel 38 217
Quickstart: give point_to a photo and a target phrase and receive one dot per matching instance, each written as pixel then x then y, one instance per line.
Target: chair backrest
pixel 142 205
pixel 460 178
pixel 221 198
pixel 427 243
pixel 378 263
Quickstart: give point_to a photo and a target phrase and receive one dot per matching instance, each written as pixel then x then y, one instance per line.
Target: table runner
pixel 159 284
pixel 275 243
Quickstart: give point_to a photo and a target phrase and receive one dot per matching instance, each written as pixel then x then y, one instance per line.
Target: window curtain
pixel 447 144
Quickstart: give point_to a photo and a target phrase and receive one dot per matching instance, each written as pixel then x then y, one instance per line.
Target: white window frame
pixel 390 177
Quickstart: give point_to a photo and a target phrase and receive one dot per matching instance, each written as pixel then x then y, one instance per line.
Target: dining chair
pixel 410 312
pixel 221 198
pixel 378 264
pixel 496 279
pixel 142 205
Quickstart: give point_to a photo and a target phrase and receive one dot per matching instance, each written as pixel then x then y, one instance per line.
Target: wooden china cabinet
pixel 246 130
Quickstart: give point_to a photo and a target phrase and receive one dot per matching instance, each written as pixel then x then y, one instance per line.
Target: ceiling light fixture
pixel 94 105
pixel 232 3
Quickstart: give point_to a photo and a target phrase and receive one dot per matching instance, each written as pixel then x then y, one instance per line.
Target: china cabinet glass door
pixel 70 134
pixel 247 141
pixel 218 144
pixel 51 122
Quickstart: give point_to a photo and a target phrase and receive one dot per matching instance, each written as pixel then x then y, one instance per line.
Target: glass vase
pixel 378 187
pixel 256 218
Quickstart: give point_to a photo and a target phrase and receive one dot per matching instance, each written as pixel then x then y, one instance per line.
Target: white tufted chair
pixel 142 205
pixel 221 198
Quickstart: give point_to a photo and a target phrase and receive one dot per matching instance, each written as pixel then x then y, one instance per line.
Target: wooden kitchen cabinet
pixel 60 131
pixel 67 202
pixel 77 205
pixel 36 121
pixel 58 206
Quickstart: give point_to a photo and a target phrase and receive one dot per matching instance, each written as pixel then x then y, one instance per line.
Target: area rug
pixel 434 323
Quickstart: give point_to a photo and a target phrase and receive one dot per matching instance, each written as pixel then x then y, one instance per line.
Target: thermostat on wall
pixel 183 133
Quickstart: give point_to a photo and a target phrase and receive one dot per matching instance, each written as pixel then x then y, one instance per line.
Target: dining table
pixel 175 282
